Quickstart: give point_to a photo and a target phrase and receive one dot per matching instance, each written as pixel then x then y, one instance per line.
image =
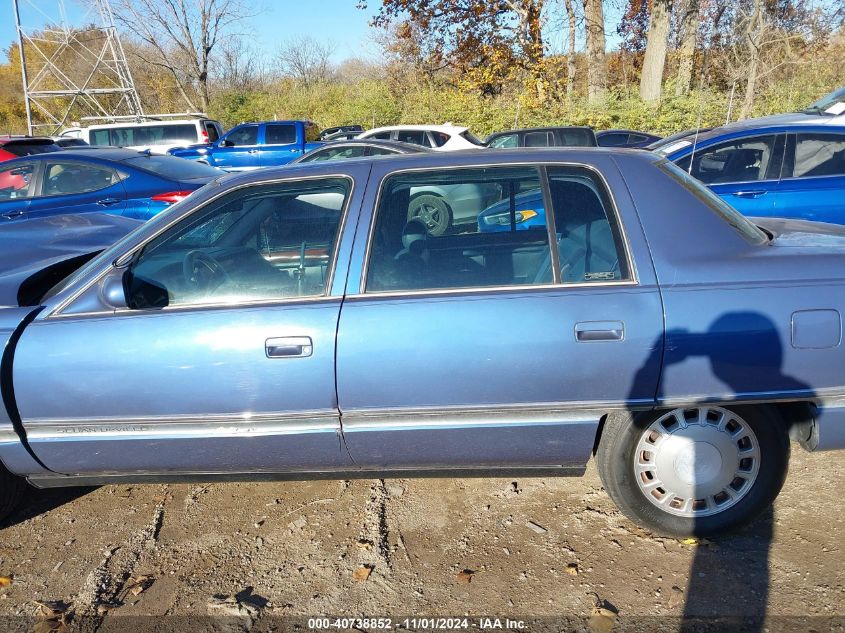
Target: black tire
pixel 617 452
pixel 433 211
pixel 12 489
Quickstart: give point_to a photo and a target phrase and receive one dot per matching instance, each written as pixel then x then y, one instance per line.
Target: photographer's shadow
pixel 729 578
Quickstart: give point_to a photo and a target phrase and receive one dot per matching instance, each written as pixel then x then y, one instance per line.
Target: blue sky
pixel 335 21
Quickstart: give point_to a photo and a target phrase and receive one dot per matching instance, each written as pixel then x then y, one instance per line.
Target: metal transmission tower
pixel 71 73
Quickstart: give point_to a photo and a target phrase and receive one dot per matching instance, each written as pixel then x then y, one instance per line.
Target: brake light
pixel 171 197
pixel 204 133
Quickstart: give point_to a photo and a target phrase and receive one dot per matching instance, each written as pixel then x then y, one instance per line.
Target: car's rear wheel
pixel 12 489
pixel 432 211
pixel 696 470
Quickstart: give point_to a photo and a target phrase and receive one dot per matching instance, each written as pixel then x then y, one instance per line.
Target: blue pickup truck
pixel 253 145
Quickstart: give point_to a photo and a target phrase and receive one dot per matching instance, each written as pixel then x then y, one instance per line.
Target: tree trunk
pixel 686 53
pixel 596 63
pixel 651 80
pixel 753 36
pixel 570 51
pixel 530 35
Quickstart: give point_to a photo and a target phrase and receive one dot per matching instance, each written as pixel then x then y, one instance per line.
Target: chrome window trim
pixel 58 310
pixel 481 290
pixel 540 166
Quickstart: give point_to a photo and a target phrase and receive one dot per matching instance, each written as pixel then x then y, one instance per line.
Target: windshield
pixel 743 225
pixel 171 167
pixel 834 104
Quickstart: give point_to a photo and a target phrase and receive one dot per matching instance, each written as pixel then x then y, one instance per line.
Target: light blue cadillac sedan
pixel 304 322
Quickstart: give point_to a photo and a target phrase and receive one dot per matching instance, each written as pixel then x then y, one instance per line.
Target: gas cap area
pixel 816 329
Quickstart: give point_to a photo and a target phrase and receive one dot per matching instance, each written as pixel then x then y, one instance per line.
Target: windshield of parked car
pixel 832 104
pixel 171 167
pixel 743 225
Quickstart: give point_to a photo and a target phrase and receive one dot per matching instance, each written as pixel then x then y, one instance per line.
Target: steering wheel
pixel 202 272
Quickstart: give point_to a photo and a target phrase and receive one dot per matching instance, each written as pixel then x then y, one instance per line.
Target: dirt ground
pixel 249 554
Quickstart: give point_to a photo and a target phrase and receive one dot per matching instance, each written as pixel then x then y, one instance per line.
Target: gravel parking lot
pixel 529 548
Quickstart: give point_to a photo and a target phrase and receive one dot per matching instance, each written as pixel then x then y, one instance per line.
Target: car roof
pixel 542 129
pixel 376 142
pixel 460 158
pixel 736 131
pixel 9 139
pixel 621 131
pixel 446 129
pixel 101 153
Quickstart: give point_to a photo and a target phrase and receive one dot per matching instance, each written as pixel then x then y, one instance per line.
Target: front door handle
pixel 587 331
pixel 289 347
pixel 11 215
pixel 107 202
pixel 252 151
pixel 749 194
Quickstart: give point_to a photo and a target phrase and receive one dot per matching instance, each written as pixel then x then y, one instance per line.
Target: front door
pixel 238 150
pixel 490 344
pixel 69 186
pixel 223 361
pixel 743 171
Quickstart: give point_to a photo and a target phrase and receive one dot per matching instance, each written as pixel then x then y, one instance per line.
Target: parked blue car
pixel 794 170
pixel 253 145
pixel 300 322
pixel 118 181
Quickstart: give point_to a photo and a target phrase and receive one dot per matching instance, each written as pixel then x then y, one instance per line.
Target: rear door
pixel 813 183
pixel 75 186
pixel 492 345
pixel 223 361
pixel 280 144
pixel 238 149
pixel 744 171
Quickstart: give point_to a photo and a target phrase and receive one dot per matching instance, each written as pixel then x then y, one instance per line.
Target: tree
pixel 484 40
pixel 686 51
pixel 182 36
pixel 651 80
pixel 596 62
pixel 570 48
pixel 306 60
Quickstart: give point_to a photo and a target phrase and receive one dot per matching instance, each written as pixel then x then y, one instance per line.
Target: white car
pixel 442 138
pixel 155 136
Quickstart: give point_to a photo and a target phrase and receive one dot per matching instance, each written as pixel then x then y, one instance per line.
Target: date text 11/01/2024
pixel 415 624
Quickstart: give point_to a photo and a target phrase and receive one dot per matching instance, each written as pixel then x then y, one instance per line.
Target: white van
pixel 155 136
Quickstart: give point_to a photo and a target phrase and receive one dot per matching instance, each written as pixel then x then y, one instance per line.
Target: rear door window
pixel 16 181
pixel 275 134
pixel 69 177
pixel 539 139
pixel 818 155
pixel 417 137
pixel 465 228
pixel 211 131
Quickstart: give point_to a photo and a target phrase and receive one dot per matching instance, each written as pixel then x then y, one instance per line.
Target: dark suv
pixel 567 136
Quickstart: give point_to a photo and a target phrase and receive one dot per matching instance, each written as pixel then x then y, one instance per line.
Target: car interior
pixel 263 245
pixel 406 256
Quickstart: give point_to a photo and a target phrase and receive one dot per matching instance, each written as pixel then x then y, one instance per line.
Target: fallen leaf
pixel 690 541
pixel 52 617
pixel 139 585
pixel 362 573
pixel 5 581
pixel 465 576
pixel 572 569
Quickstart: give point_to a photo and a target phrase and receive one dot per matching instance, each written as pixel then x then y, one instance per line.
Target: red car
pixel 17 146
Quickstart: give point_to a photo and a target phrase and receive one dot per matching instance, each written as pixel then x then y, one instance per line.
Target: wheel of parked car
pixel 11 491
pixel 433 211
pixel 694 471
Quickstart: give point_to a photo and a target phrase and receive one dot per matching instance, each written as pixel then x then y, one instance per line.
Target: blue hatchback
pixel 794 170
pixel 118 181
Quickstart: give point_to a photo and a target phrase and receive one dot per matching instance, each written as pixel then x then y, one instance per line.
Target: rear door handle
pixel 107 202
pixel 289 347
pixel 587 331
pixel 252 151
pixel 11 215
pixel 749 194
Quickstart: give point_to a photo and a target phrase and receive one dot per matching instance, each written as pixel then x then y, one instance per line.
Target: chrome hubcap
pixel 697 462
